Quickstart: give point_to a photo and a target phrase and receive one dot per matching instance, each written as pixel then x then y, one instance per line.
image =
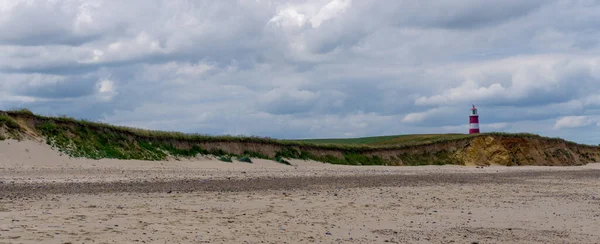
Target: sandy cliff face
pixel 512 151
pixel 101 141
pixel 484 151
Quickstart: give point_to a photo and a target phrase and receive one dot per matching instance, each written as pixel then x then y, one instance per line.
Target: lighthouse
pixel 474 121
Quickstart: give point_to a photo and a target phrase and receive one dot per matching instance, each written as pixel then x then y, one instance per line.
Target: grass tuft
pixel 9 122
pixel 255 155
pixel 245 159
pixel 225 159
pixel 21 111
pixel 282 161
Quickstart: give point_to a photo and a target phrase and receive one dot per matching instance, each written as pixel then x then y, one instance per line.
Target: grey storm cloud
pixel 465 14
pixel 311 68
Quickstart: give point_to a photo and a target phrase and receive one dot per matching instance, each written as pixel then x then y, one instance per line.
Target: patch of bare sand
pixel 323 203
pixel 30 161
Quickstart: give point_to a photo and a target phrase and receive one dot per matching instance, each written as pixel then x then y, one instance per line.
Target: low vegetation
pixel 9 128
pixel 390 140
pixel 438 158
pixel 245 159
pixel 282 161
pixel 225 159
pixel 9 122
pixel 21 111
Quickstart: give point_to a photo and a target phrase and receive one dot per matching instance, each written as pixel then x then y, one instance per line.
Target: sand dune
pixel 51 198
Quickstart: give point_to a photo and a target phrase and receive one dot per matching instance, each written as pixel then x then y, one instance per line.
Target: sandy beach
pixel 47 197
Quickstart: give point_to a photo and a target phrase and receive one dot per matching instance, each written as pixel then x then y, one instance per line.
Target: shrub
pixel 217 152
pixel 192 152
pixel 288 152
pixel 245 159
pixel 255 155
pixel 282 161
pixel 225 159
pixel 354 158
pixel 48 127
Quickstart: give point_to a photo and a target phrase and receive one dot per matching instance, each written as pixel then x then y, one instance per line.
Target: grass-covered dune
pixel 390 140
pixel 79 138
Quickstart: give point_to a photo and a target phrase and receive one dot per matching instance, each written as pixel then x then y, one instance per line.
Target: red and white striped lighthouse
pixel 474 121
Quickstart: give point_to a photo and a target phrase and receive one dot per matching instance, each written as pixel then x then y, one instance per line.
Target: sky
pixel 295 69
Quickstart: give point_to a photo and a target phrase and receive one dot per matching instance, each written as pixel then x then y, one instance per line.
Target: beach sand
pixel 47 197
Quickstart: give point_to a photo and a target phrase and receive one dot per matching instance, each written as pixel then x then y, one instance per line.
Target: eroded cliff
pixel 95 140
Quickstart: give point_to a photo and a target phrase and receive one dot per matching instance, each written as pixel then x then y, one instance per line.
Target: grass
pixel 170 135
pixel 402 141
pixel 291 152
pixel 21 111
pixel 390 140
pixel 438 158
pixel 88 142
pixel 282 161
pixel 361 144
pixel 225 159
pixel 255 155
pixel 245 159
pixel 9 122
pixel 349 158
pixel 12 128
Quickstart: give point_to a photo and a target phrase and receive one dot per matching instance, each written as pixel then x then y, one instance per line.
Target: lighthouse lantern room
pixel 474 121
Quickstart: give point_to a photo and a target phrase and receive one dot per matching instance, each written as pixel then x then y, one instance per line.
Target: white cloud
pixel 468 91
pixel 329 11
pixel 517 80
pixel 456 128
pixel 289 17
pixel 419 116
pixel 143 44
pixel 573 122
pixel 297 15
pixel 496 126
pixel 106 90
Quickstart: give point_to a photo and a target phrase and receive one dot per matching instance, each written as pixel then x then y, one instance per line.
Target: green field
pixel 389 140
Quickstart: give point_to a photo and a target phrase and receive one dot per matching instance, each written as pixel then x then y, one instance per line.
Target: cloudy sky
pixel 311 68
